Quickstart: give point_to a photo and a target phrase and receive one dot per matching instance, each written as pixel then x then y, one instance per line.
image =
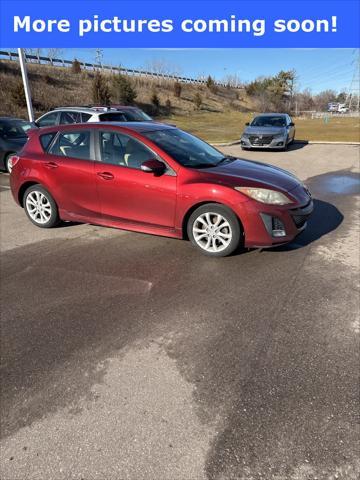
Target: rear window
pixel 136 116
pixel 45 140
pixel 112 117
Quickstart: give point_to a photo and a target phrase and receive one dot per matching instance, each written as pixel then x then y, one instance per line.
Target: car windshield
pixel 186 149
pixel 269 121
pixel 14 128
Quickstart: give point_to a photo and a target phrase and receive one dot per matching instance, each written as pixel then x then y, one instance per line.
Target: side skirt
pixel 124 225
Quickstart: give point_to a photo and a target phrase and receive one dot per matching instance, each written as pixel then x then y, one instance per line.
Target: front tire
pixel 40 207
pixel 214 229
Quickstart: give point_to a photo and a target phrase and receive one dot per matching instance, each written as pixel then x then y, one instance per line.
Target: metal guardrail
pixel 60 62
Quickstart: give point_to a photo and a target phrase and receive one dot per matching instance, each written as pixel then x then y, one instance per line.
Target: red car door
pixel 70 169
pixel 125 191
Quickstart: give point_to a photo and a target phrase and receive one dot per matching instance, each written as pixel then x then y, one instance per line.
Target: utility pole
pixel 26 84
pixel 353 95
pixel 99 53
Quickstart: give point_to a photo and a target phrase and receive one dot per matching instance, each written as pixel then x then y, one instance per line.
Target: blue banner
pixel 179 24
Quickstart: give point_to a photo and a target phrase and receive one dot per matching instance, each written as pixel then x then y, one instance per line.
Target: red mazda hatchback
pixel 157 179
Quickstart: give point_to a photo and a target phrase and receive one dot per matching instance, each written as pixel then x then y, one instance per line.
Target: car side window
pixel 73 144
pixel 85 117
pixel 69 117
pixel 119 149
pixel 46 139
pixel 48 120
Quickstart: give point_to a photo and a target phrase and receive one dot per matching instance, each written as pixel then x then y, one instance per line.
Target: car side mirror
pixel 153 166
pixel 292 124
pixel 247 124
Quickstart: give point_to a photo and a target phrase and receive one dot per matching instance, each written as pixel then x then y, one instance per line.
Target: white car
pixel 67 115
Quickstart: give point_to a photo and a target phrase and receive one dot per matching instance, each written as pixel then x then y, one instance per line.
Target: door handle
pixel 106 175
pixel 51 165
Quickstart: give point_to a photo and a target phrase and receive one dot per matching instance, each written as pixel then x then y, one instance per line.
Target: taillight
pixel 13 160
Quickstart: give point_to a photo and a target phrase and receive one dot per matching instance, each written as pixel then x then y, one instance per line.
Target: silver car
pixel 269 130
pixel 117 113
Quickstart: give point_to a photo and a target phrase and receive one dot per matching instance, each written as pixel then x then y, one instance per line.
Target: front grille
pixel 260 139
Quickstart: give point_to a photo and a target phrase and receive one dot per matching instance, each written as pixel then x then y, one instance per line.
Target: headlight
pixel 263 195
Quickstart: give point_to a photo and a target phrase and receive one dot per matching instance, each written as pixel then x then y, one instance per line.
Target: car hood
pixel 265 130
pixel 248 173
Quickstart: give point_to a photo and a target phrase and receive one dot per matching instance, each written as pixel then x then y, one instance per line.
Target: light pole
pixel 26 84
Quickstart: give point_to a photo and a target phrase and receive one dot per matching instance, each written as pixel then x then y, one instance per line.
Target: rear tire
pixel 215 230
pixel 40 207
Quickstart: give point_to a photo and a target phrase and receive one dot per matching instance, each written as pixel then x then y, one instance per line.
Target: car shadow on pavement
pixel 66 224
pixel 324 219
pixel 297 145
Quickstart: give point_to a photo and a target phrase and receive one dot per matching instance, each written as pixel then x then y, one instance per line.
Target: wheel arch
pixel 200 204
pixel 23 189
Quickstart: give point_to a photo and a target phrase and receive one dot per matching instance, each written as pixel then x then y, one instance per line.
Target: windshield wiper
pixel 226 159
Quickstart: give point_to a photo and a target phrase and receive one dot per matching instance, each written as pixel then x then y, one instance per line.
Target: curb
pixel 299 142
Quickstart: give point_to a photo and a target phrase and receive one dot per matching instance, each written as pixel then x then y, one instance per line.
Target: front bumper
pixel 275 143
pixel 262 223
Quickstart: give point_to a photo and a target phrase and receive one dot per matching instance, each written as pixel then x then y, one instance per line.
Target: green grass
pixel 227 127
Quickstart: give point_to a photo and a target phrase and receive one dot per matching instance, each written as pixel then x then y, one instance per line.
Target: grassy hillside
pixel 227 126
pixel 56 86
pixel 221 117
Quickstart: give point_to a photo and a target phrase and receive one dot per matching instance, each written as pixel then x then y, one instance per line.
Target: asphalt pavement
pixel 130 356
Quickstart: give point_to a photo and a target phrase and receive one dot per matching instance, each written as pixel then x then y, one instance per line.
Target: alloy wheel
pixel 38 207
pixel 212 232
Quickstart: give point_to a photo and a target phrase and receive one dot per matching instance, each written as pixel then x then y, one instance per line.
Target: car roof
pixel 97 108
pixel 14 118
pixel 139 127
pixel 116 106
pixel 272 115
pixel 77 109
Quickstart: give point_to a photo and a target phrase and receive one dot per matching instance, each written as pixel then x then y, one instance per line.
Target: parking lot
pixel 129 356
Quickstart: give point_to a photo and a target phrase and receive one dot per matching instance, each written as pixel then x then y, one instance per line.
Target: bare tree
pixel 322 99
pixel 53 53
pixel 233 80
pixel 304 101
pixel 36 52
pixel 161 67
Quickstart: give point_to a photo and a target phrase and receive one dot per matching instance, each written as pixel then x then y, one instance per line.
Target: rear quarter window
pixel 85 117
pixel 46 139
